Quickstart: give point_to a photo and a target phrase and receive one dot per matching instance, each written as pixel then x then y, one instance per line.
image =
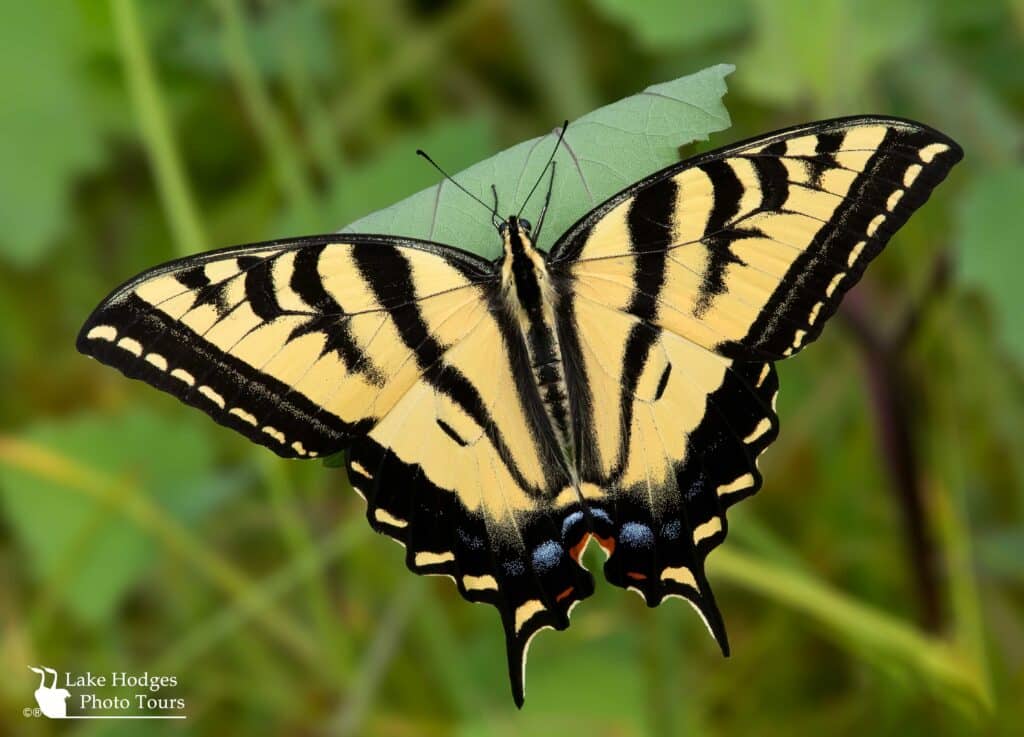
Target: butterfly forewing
pixel 284 342
pixel 748 250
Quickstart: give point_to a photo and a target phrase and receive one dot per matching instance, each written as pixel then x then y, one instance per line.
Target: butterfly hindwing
pixel 502 539
pixel 670 434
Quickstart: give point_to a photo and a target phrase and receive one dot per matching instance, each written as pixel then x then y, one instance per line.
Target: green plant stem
pixel 417 54
pixel 382 650
pixel 951 513
pixel 856 623
pixel 298 538
pixel 889 388
pixel 270 128
pixel 155 128
pixel 316 122
pixel 261 597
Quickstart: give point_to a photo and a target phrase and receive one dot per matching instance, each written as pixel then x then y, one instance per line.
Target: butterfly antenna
pixel 547 201
pixel 551 158
pixel 446 175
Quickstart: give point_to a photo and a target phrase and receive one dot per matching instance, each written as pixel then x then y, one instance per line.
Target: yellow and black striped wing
pixel 676 297
pixel 748 250
pixel 398 352
pixel 297 345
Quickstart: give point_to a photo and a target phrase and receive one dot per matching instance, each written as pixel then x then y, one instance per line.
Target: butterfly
pixel 498 416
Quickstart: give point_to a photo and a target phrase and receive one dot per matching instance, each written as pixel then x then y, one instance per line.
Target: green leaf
pixel 665 24
pixel 77 544
pixel 989 246
pixel 602 153
pixel 49 134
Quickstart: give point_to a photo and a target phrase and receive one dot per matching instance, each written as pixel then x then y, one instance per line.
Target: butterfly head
pixel 514 222
pixel 522 266
pixel 517 241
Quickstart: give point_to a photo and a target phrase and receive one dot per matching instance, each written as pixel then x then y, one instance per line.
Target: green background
pixel 874 586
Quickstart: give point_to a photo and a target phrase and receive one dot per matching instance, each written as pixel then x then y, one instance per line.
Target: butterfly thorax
pixel 530 295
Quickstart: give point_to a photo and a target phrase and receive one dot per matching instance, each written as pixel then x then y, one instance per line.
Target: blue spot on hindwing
pixel 470 541
pixel 697 487
pixel 547 555
pixel 672 530
pixel 570 521
pixel 636 535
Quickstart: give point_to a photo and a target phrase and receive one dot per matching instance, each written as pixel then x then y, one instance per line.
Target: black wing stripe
pixel 306 281
pixel 650 225
pixel 194 278
pixel 650 231
pixel 728 190
pixel 773 180
pixel 259 288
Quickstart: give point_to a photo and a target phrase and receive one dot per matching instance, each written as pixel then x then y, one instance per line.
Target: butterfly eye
pixel 502 227
pixel 525 225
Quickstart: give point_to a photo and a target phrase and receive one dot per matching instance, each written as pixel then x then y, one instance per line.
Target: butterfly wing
pixel 396 351
pixel 285 342
pixel 677 296
pixel 748 250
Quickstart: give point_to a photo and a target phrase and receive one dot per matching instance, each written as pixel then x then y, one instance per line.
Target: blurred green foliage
pixel 136 535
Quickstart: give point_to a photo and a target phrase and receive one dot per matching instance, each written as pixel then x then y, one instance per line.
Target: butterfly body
pixel 498 416
pixel 532 296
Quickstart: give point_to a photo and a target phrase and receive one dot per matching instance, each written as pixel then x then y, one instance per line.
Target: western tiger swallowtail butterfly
pixel 499 415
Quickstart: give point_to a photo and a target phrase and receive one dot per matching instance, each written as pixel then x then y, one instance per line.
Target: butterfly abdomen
pixel 530 296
